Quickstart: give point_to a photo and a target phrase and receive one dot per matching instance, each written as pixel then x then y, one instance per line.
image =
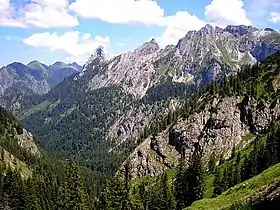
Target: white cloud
pixel 274 17
pixel 177 26
pixel 6 15
pixel 227 12
pixel 38 13
pixel 120 11
pixel 217 13
pixel 76 46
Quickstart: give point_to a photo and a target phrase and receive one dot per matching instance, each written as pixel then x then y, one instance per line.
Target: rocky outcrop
pixel 26 141
pixel 153 156
pixel 217 128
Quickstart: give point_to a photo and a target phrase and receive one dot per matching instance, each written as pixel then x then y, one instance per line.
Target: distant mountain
pixel 18 80
pixel 39 70
pixel 75 66
pixel 59 71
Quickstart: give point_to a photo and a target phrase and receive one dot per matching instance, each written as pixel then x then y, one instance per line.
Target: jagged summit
pixel 199 57
pixel 148 47
pixel 207 30
pixel 240 30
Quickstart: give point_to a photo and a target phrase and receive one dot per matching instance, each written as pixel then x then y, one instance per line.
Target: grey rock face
pixel 199 57
pixel 215 131
pixel 26 141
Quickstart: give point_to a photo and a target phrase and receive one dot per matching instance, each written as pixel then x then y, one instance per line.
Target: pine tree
pixel 144 196
pixel 166 199
pixel 73 193
pixel 115 193
pixel 2 153
pixel 232 152
pixel 244 169
pixel 195 178
pixel 211 163
pixel 127 176
pixel 273 147
pixel 218 187
pixel 221 160
pixel 29 195
pixel 237 169
pixel 12 195
pixel 181 185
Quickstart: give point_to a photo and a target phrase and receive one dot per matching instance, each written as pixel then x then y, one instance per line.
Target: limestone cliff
pixel 221 125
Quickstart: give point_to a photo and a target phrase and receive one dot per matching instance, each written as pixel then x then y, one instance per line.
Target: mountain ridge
pixel 18 80
pixel 118 99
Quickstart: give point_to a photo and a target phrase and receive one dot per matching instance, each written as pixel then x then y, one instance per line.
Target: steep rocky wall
pixel 26 141
pixel 220 126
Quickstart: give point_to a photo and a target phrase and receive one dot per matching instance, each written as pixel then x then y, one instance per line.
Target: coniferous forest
pixel 47 182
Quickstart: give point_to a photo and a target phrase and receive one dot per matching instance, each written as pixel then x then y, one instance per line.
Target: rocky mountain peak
pixel 270 30
pixel 239 30
pixel 148 48
pixel 207 30
pixel 199 57
pixel 76 66
pixel 33 62
pixel 59 64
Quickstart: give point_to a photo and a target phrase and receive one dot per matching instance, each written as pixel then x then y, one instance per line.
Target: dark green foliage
pixel 116 194
pixel 181 185
pixel 53 184
pixel 72 193
pixel 12 195
pixel 238 169
pixel 211 163
pixel 195 178
pixel 165 199
pixel 218 184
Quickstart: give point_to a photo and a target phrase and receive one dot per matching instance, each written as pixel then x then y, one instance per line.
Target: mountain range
pixel 154 119
pixel 110 104
pixel 18 80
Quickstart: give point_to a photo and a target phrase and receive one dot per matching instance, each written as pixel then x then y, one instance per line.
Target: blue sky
pixel 51 30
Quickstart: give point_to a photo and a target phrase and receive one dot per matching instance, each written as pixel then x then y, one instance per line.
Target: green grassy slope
pixel 240 192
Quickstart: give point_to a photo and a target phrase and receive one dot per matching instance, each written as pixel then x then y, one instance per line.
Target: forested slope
pixel 247 162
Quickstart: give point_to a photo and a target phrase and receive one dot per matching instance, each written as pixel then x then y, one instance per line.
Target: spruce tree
pixel 211 163
pixel 181 185
pixel 218 185
pixel 195 178
pixel 73 188
pixel 12 195
pixel 115 193
pixel 166 199
pixel 237 169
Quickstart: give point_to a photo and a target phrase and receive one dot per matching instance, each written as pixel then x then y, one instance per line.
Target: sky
pixel 70 30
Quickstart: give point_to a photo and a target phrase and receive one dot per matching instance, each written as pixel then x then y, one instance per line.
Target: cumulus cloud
pixel 120 11
pixel 7 15
pixel 225 12
pixel 38 13
pixel 274 17
pixel 49 13
pixel 74 45
pixel 217 13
